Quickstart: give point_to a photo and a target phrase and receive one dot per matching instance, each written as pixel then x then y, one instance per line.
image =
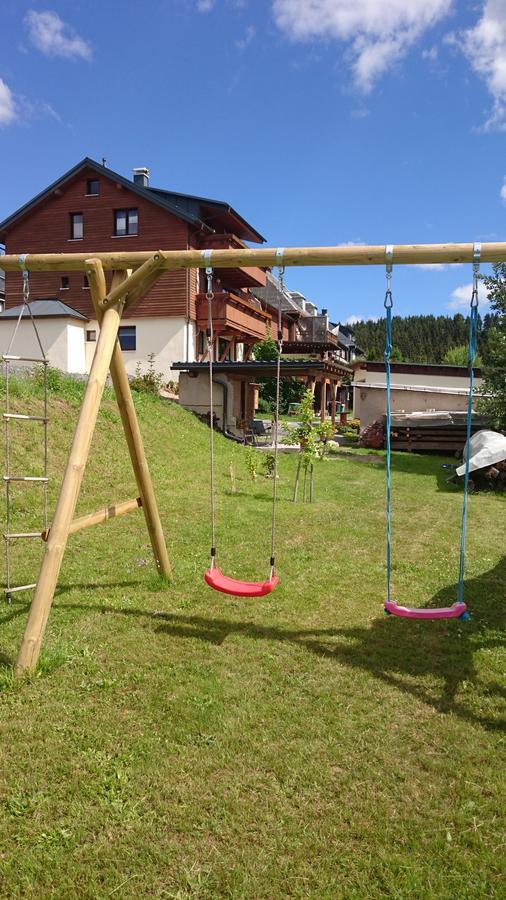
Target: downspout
pixel 226 432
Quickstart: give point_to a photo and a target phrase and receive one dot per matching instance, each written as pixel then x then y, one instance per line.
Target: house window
pixel 91 335
pixel 126 221
pixel 64 283
pixel 76 226
pixel 86 283
pixel 92 187
pixel 127 337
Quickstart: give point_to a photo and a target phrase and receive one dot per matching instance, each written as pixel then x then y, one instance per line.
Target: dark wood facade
pixel 44 226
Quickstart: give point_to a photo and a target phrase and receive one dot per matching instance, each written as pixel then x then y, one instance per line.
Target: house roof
pixel 44 309
pixel 416 368
pixel 257 368
pixel 194 210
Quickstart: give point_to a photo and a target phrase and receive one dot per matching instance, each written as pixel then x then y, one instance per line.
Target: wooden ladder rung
pixel 9 358
pixel 28 418
pixel 22 534
pixel 22 587
pixel 25 478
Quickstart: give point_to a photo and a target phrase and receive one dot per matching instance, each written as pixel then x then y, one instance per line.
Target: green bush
pixel 148 382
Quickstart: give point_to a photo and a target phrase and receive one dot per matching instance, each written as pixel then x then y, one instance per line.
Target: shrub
pixel 148 382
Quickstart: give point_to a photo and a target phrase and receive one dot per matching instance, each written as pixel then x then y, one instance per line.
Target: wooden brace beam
pixel 133 286
pixel 101 515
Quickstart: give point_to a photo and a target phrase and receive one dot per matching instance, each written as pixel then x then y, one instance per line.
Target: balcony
pixel 243 277
pixel 310 335
pixel 233 316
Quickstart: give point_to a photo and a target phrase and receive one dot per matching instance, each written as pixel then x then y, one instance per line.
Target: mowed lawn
pixel 178 743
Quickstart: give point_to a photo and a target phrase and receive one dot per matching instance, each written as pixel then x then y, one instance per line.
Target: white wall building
pixel 415 387
pixel 69 338
pixel 62 333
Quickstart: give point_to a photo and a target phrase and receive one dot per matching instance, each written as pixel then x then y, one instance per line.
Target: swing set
pixel 133 275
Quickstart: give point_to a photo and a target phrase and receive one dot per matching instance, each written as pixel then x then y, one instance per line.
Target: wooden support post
pixel 133 435
pixel 333 388
pixel 323 408
pixel 69 492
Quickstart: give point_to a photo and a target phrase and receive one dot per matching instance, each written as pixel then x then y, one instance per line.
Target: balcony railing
pixel 242 277
pixel 233 316
pixel 311 333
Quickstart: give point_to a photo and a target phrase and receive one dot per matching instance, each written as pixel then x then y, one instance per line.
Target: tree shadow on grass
pixel 400 652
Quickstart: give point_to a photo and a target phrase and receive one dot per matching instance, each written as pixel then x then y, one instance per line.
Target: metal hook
pixel 476 269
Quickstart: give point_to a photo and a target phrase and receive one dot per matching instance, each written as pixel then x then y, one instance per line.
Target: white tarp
pixel 486 448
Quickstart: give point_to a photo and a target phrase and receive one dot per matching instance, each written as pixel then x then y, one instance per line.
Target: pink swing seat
pixel 457 611
pixel 220 582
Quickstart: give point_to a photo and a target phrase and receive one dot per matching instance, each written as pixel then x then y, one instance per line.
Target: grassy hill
pixel 178 743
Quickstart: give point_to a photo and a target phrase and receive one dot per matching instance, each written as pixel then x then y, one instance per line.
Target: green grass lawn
pixel 176 743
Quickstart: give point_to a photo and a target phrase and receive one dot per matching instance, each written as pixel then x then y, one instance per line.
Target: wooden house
pixel 90 209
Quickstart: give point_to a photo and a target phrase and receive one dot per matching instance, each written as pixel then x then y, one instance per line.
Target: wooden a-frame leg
pixel 133 435
pixel 69 492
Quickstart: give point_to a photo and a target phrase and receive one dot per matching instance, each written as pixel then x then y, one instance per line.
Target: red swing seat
pixel 220 582
pixel 457 611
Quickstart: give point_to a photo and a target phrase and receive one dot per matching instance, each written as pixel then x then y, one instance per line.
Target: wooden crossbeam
pixel 359 255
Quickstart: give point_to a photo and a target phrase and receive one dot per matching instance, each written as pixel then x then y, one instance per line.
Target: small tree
pixel 493 404
pixel 312 440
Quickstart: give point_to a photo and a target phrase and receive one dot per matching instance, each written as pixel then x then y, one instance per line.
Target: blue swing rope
pixel 471 356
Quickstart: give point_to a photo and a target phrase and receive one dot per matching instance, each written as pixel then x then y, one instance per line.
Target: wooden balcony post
pixel 323 408
pixel 333 387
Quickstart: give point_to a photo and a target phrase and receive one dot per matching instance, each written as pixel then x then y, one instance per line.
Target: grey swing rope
pixel 210 348
pixel 281 272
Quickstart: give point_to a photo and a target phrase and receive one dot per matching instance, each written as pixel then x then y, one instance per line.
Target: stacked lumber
pixel 443 432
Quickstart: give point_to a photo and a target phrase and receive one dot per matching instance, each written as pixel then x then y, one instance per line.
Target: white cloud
pixel 249 36
pixel 431 54
pixel 205 5
pixel 485 48
pixel 53 37
pixel 352 320
pixel 435 267
pixel 462 297
pixel 7 104
pixel 376 33
pixel 502 192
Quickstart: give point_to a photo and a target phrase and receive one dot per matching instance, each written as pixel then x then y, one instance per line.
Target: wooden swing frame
pixel 134 274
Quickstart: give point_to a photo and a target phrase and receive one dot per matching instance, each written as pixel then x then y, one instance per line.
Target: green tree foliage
pixel 494 372
pixel 423 339
pixel 291 390
pixel 457 356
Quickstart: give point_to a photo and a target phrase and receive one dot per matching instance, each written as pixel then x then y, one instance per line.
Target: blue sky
pixel 321 121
